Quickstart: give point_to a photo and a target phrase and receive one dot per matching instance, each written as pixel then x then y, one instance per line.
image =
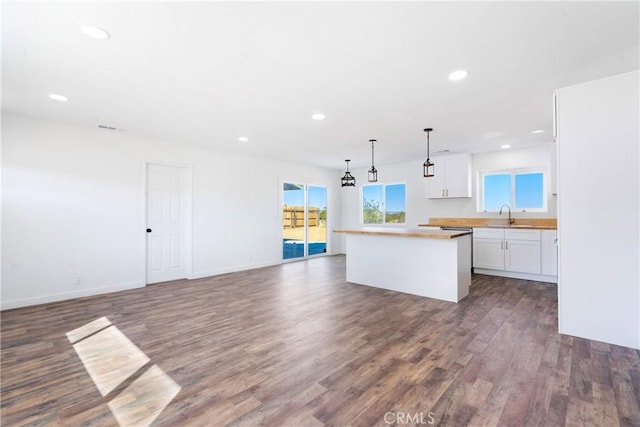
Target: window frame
pixel 513 172
pixel 384 205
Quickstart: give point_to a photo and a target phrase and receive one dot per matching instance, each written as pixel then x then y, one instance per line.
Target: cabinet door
pixel 522 256
pixel 437 183
pixel 488 253
pixel 549 252
pixel 458 176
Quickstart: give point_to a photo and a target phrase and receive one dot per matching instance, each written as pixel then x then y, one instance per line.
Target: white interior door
pixel 166 223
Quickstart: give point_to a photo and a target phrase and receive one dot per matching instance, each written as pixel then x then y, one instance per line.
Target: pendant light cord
pixel 372 162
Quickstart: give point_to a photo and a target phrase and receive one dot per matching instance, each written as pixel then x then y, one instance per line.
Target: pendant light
pixel 348 180
pixel 428 166
pixel 373 172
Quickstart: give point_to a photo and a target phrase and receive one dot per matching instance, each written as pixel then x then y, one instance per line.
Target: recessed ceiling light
pixel 318 116
pixel 95 32
pixel 505 146
pixel 243 139
pixel 57 97
pixel 458 75
pixel 537 131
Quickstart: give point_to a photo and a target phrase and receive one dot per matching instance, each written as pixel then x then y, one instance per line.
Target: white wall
pixel 599 210
pixel 420 209
pixel 73 204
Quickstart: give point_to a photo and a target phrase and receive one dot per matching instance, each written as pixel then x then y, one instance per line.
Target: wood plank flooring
pixel 295 345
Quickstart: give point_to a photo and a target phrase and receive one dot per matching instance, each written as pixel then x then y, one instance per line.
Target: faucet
pixel 511 220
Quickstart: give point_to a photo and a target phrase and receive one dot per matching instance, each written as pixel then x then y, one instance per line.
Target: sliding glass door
pixel 304 220
pixel 317 224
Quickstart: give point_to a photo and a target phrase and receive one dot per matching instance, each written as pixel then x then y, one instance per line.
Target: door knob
pixel 148 230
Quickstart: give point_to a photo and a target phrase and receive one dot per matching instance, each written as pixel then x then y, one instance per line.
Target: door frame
pixel 188 215
pixel 306 219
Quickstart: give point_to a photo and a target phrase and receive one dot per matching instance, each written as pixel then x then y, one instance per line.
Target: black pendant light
pixel 428 166
pixel 373 172
pixel 348 180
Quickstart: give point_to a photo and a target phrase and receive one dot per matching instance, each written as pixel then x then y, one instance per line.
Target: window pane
pixel 292 220
pixel 529 191
pixel 497 191
pixel 372 204
pixel 317 224
pixel 395 211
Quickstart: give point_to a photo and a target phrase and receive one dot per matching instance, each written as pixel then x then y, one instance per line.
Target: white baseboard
pixel 216 272
pixel 209 273
pixel 513 275
pixel 44 299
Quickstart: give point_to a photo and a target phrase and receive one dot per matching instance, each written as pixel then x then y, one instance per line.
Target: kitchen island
pixel 429 263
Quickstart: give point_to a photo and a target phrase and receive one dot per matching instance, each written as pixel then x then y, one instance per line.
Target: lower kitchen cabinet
pixel 520 253
pixel 488 253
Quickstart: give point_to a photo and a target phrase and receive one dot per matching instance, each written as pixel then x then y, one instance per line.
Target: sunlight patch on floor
pixel 111 359
pixel 146 397
pixel 88 329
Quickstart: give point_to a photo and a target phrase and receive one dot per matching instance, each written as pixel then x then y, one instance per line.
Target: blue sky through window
pixel 497 191
pixel 372 193
pixel 521 191
pixel 317 197
pixel 395 198
pixel 529 190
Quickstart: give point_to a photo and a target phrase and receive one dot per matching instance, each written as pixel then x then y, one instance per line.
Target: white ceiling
pixel 206 73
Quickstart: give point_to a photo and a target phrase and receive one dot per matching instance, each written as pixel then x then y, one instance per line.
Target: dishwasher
pixel 463 229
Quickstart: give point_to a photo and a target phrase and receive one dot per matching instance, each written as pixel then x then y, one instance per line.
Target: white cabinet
pixel 507 249
pixel 549 252
pixel 488 248
pixel 522 251
pixel 488 253
pixel 452 177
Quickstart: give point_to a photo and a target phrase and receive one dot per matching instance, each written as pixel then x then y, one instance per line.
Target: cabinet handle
pixel 501 244
pixel 506 245
pixel 447 192
pixel 443 192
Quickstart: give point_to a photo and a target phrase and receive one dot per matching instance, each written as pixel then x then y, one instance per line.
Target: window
pixel 522 189
pixel 383 204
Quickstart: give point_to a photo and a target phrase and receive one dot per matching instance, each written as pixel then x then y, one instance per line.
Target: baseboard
pixel 44 299
pixel 209 273
pixel 217 272
pixel 513 275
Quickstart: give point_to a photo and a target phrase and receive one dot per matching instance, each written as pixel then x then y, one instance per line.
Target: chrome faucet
pixel 511 220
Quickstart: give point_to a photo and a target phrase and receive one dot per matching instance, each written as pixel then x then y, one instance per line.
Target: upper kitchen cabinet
pixel 452 177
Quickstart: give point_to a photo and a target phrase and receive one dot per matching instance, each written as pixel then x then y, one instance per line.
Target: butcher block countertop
pixel 401 232
pixel 534 223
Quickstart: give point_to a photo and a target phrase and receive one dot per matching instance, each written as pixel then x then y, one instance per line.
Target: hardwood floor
pixel 295 345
